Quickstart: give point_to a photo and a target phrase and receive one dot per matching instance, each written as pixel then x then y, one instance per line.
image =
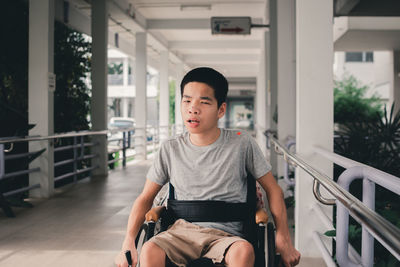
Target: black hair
pixel 212 78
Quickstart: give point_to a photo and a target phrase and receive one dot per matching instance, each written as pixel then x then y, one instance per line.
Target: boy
pixel 206 163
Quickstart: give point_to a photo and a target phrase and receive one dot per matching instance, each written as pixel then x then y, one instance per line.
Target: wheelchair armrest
pixel 154 214
pixel 261 216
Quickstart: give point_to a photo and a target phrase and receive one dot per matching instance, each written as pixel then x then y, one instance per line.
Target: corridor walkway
pixel 82 225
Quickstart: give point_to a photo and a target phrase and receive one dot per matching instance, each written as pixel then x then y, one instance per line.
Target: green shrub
pixel 351 104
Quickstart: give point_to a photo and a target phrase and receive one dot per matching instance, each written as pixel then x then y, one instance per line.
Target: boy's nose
pixel 193 111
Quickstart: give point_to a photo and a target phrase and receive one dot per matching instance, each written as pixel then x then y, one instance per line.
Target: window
pixel 359 56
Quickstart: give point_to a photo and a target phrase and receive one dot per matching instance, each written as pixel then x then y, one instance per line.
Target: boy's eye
pixel 186 101
pixel 205 103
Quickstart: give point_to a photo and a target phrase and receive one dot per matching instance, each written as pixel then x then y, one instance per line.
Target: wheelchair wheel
pixel 141 237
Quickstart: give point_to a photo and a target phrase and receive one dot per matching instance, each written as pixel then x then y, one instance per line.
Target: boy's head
pixel 212 78
pixel 203 92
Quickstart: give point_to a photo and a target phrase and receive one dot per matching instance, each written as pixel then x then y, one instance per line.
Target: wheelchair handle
pixel 128 257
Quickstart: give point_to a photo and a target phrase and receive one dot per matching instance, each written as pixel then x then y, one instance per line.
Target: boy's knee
pixel 151 254
pixel 240 251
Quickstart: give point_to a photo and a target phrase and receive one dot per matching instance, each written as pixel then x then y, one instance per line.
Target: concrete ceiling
pixel 183 27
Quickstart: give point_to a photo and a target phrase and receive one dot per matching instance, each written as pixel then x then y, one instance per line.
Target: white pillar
pixel 179 77
pixel 125 106
pixel 286 73
pixel 40 98
pixel 273 109
pixel 99 24
pixel 141 93
pixel 261 104
pixel 314 112
pixel 164 95
pixel 396 80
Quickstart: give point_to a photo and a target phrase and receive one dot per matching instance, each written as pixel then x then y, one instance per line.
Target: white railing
pixel 374 225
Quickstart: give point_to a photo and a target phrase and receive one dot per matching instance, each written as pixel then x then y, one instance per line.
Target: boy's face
pixel 199 108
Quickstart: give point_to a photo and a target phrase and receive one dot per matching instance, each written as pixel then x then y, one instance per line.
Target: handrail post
pixel 124 149
pixel 2 161
pixel 367 245
pixel 75 164
pixel 368 198
pixel 129 139
pixel 82 146
pixel 3 203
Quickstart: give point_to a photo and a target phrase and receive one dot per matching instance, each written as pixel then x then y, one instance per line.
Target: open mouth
pixel 193 123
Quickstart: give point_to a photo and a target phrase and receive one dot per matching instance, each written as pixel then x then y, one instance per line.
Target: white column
pixel 99 24
pixel 179 77
pixel 314 112
pixel 261 104
pixel 396 80
pixel 125 106
pixel 286 73
pixel 40 98
pixel 164 95
pixel 273 93
pixel 141 93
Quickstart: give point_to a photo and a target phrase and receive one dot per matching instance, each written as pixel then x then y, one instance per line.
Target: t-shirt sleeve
pixel 256 163
pixel 158 171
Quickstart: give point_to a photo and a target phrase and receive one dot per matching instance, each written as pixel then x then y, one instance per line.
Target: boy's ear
pixel 222 110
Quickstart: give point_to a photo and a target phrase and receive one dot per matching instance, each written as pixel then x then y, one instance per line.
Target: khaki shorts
pixel 184 242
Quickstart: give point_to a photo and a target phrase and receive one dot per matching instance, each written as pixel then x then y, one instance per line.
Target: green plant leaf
pixel 330 233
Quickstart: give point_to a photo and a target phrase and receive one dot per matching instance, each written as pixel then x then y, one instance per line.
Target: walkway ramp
pixel 82 225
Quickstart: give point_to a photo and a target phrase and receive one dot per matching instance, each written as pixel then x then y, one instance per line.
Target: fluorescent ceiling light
pixel 195 7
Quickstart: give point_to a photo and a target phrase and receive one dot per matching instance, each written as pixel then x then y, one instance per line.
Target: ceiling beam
pixel 240 58
pixel 215 44
pixel 124 12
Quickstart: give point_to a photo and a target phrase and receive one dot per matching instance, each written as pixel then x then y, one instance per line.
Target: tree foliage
pixel 115 68
pixel 72 55
pixel 351 103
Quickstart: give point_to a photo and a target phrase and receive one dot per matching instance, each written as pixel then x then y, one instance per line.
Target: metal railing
pixel 286 168
pixel 385 232
pixel 370 176
pixel 80 153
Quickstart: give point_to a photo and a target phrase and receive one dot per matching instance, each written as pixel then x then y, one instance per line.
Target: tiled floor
pixel 82 225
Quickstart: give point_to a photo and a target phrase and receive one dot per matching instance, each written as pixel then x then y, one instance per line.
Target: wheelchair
pixel 159 218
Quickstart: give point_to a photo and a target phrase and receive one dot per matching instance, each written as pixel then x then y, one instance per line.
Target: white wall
pixel 378 75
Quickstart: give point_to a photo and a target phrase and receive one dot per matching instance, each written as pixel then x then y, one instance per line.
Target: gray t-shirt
pixel 213 172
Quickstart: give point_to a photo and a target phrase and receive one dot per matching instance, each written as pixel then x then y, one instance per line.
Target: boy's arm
pixel 289 254
pixel 141 205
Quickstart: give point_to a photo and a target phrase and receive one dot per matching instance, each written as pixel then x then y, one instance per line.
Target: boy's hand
pixel 289 255
pixel 120 259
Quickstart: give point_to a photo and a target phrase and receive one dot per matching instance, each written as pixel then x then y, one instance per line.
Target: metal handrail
pixel 55 136
pixel 69 134
pixel 388 234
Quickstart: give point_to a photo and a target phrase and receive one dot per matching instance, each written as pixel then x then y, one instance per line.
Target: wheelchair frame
pixel 154 225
